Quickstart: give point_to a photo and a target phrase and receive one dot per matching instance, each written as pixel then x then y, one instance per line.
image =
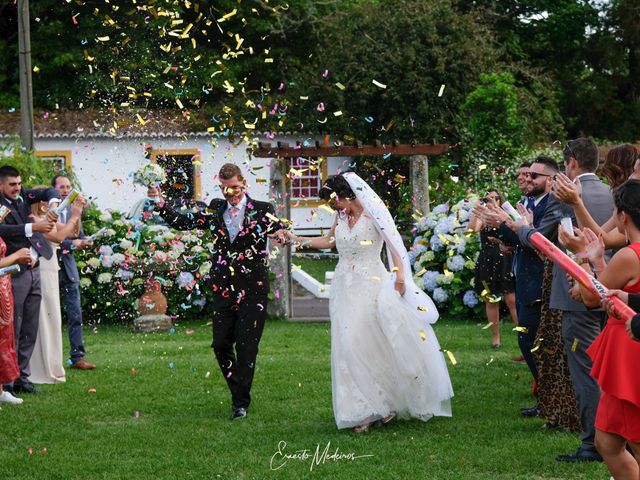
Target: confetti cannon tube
pixel 621 309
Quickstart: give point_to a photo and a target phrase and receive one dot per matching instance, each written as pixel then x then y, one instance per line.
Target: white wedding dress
pixel 46 362
pixel 383 359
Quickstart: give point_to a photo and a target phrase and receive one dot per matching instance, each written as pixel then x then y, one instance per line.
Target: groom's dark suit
pixel 26 284
pixel 239 278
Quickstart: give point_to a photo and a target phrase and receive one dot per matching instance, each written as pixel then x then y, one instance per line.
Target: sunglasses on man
pixel 535 175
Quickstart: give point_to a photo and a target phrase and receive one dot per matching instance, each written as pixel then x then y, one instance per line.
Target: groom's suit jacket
pixel 12 229
pixel 240 266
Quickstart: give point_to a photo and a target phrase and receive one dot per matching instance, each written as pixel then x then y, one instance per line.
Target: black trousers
pixel 238 324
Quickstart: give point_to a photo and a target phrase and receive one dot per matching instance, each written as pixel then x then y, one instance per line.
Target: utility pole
pixel 26 86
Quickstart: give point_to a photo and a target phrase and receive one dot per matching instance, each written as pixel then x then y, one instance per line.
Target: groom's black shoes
pixel 529 412
pixel 580 455
pixel 238 413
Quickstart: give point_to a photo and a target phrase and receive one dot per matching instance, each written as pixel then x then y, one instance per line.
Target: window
pixel 306 177
pixel 61 160
pixel 183 172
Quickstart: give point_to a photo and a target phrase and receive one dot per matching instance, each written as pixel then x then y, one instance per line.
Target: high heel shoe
pixel 362 428
pixel 384 421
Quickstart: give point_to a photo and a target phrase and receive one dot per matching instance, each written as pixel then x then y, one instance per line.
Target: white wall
pixel 104 167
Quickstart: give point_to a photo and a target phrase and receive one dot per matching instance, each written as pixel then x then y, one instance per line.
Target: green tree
pixel 495 134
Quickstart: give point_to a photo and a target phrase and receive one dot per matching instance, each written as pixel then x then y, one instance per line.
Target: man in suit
pixel 19 231
pixel 580 326
pixel 529 267
pixel 239 276
pixel 70 281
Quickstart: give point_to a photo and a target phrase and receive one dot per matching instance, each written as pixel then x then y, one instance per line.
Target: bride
pixel 385 357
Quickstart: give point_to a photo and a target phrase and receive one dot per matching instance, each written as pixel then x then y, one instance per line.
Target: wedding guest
pixel 385 357
pixel 46 360
pixel 145 209
pixel 522 180
pixel 9 370
pixel 69 280
pixel 615 355
pixel 529 267
pixel 19 231
pixel 621 163
pixel 239 226
pixel 494 279
pixel 580 326
pixel 632 325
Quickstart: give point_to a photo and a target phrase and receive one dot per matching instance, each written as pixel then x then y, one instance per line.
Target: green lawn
pixel 183 430
pixel 316 267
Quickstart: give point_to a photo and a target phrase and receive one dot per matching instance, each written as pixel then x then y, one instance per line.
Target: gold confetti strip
pixel 338 113
pixel 489 362
pixel 272 217
pixel 327 208
pixel 340 86
pixel 421 272
pixel 452 358
pixel 375 278
pixel 574 345
pixel 487 326
pixel 378 84
pixel 441 90
pixel 366 242
pixel 423 309
pixel 521 329
pixel 423 335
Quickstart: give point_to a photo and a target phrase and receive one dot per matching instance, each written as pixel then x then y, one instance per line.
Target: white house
pixel 103 150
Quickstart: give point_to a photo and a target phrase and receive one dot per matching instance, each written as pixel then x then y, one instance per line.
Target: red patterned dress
pixel 9 370
pixel 615 362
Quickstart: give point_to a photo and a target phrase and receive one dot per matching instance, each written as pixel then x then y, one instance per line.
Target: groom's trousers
pixel 240 324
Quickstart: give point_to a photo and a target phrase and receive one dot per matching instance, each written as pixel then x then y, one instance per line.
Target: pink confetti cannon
pixel 560 258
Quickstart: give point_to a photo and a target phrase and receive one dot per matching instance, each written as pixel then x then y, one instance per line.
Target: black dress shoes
pixel 529 412
pixel 26 387
pixel 238 413
pixel 580 455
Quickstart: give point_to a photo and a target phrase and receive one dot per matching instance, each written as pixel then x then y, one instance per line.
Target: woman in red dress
pixel 615 355
pixel 8 359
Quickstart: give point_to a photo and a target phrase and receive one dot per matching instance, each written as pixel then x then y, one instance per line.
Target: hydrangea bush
pixel 443 257
pixel 125 256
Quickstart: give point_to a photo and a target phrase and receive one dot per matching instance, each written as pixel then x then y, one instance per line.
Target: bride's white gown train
pixel 383 360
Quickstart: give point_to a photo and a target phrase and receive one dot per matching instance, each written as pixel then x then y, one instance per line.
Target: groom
pixel 239 276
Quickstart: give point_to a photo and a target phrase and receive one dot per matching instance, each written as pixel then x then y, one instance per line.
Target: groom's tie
pixel 233 222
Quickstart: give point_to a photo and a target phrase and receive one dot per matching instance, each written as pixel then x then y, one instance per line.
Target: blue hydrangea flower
pixel 442 208
pixel 455 263
pixel 470 299
pixel 436 243
pixel 429 279
pixel 440 296
pixel 124 274
pixel 185 280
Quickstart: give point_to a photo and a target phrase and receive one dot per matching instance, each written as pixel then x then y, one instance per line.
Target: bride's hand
pixel 400 288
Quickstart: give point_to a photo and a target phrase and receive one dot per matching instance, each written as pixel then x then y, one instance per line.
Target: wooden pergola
pixel 281 153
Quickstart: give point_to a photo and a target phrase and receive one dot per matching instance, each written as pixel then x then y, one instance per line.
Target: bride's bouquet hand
pixel 282 237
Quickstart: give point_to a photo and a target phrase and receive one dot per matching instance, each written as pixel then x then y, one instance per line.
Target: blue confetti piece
pixel 171 365
pixel 368 119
